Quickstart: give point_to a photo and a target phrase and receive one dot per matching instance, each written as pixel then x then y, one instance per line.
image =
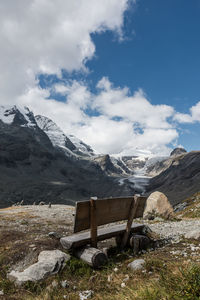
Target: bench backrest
pixel 107 211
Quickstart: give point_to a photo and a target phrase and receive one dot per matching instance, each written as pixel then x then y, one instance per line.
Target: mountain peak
pixel 70 145
pixel 17 116
pixel 178 151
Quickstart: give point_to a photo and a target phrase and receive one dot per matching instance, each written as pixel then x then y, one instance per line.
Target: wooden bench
pixel 95 212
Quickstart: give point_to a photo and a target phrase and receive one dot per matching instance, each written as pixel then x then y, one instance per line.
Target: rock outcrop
pixel 49 263
pixel 178 151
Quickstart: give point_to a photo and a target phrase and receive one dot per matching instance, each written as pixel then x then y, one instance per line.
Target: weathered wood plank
pixel 107 211
pixel 81 239
pixel 93 222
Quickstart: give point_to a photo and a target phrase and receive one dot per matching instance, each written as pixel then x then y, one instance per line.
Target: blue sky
pixel 162 57
pixel 121 75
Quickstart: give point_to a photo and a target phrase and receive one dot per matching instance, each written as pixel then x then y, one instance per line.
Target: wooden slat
pixel 107 211
pixel 93 222
pixel 84 238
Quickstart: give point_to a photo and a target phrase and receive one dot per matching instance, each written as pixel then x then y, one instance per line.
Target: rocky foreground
pixel 26 231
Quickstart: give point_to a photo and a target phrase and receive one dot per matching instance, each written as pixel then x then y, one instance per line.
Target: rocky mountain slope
pixel 181 179
pixel 77 149
pixel 33 169
pixel 72 146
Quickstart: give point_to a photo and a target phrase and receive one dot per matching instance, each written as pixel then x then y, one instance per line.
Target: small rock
pixel 137 264
pixel 109 278
pixel 85 295
pixel 123 284
pixel 1 293
pixel 115 269
pixel 64 284
pixel 54 284
pixel 54 235
pixel 144 271
pixel 126 278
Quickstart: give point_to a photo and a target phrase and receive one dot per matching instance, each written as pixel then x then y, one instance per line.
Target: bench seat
pixel 81 239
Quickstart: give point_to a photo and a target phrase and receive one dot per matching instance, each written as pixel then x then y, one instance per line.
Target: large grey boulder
pixel 157 204
pixel 49 263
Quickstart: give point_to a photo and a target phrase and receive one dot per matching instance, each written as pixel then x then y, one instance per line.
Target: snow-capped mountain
pixel 71 146
pixel 14 115
pixel 33 167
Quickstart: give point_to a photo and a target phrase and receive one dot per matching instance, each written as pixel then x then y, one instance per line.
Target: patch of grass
pixel 192 209
pixel 35 288
pixel 76 267
pixel 5 285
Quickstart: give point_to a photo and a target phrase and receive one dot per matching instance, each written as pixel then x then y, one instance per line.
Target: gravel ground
pixel 175 229
pixel 63 215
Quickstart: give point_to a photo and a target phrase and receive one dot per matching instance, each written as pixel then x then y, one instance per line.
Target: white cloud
pixel 193 116
pixel 45 36
pixel 116 102
pixel 122 123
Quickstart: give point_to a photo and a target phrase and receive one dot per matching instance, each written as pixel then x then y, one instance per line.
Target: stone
pixel 54 284
pixel 85 295
pixel 54 235
pixel 123 284
pixel 126 278
pixel 1 293
pixel 64 284
pixel 195 234
pixel 157 204
pixel 49 263
pixel 137 264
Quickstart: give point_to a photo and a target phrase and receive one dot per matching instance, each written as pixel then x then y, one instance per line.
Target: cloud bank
pixel 48 36
pixel 110 120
